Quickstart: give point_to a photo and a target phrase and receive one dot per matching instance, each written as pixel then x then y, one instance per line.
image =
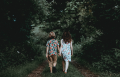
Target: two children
pixel 66 50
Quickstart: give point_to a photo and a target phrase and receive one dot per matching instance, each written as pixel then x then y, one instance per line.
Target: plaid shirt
pixel 52 44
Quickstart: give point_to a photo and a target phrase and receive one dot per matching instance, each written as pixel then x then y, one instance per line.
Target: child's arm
pixel 47 51
pixel 58 48
pixel 71 48
pixel 61 47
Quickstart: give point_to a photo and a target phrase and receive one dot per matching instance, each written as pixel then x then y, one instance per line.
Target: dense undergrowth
pixel 20 70
pixel 19 59
pixel 18 54
pixel 94 55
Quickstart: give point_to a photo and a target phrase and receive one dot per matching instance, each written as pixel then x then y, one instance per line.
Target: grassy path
pixel 20 70
pixel 72 71
pixel 75 70
pixel 38 71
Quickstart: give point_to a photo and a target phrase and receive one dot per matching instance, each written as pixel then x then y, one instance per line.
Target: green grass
pixel 71 72
pixel 21 70
pixel 96 71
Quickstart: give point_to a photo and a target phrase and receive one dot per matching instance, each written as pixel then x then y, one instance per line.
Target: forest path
pixel 38 71
pixel 85 71
pixel 74 70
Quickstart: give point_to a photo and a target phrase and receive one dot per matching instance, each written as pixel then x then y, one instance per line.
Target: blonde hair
pixel 51 35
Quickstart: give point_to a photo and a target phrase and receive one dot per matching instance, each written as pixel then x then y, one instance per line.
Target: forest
pixel 93 24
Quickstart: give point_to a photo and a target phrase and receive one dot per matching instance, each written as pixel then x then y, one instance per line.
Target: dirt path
pixel 85 71
pixel 38 71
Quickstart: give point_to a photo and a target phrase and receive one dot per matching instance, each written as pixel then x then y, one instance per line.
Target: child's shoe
pixel 54 70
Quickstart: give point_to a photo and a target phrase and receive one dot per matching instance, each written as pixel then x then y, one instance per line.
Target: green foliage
pixel 16 17
pixel 78 47
pixel 73 18
pixel 88 19
pixel 91 52
pixel 99 57
pixel 95 53
pixel 18 54
pixel 20 70
pixel 99 53
pixel 106 14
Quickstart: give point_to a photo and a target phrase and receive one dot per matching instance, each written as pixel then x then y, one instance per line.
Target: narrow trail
pixel 38 71
pixel 83 70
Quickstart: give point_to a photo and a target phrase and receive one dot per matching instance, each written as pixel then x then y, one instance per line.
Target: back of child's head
pixel 51 35
pixel 66 36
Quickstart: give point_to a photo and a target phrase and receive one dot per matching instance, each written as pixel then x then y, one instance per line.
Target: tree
pixel 107 17
pixel 16 17
pixel 72 17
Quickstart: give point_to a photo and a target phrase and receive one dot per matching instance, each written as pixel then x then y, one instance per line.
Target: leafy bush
pixel 15 25
pixel 92 51
pixel 79 45
pixel 101 58
pixel 18 54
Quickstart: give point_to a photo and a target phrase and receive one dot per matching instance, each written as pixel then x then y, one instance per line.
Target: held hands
pixel 71 53
pixel 59 54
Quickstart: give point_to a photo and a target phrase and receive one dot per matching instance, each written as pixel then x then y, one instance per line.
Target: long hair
pixel 66 37
pixel 51 35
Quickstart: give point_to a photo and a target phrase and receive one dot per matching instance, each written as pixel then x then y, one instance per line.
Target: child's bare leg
pixel 63 64
pixel 54 64
pixel 66 65
pixel 50 69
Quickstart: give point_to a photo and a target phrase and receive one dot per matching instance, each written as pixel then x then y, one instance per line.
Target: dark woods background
pixel 16 17
pixel 84 20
